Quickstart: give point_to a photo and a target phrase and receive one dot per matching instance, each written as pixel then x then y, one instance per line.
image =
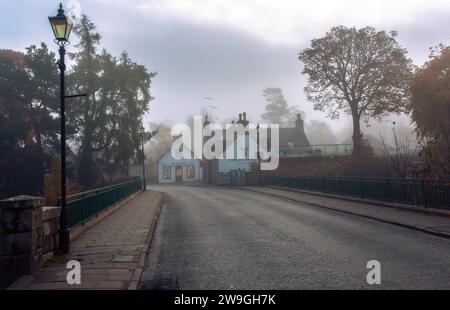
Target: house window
pixel 190 172
pixel 167 173
pixel 291 144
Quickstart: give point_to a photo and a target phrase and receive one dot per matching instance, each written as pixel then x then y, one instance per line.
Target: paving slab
pixel 109 252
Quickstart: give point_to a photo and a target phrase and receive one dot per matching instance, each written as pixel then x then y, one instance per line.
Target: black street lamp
pixel 144 182
pixel 145 136
pixel 62 27
pixel 258 154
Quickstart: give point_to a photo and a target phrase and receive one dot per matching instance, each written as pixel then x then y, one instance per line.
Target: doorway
pixel 179 174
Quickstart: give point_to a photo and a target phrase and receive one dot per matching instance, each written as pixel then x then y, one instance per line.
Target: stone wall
pixel 28 236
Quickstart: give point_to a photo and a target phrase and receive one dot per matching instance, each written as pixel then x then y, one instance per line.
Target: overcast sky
pixel 229 50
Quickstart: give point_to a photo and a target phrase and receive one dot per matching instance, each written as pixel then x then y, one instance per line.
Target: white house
pixel 171 170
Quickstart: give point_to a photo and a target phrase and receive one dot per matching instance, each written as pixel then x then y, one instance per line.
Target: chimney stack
pixel 299 124
pixel 245 122
pixel 206 122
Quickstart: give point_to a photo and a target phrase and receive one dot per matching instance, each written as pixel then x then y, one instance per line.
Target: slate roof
pixel 292 135
pixel 298 137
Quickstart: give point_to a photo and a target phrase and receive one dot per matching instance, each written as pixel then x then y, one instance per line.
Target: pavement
pixel 228 238
pixel 111 253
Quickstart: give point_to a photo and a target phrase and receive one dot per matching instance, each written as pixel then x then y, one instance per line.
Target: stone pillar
pixel 21 237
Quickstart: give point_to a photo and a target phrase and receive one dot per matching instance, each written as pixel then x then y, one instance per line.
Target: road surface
pixel 221 238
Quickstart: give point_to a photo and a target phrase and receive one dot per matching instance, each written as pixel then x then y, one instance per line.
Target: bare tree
pixel 401 157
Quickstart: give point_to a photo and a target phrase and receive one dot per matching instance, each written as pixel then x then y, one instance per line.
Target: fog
pixel 230 51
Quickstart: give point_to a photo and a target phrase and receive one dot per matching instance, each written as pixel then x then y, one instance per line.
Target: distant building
pixel 171 170
pixel 293 141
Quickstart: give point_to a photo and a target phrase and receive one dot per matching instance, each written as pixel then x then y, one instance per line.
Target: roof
pixel 170 150
pixel 286 135
pixel 292 135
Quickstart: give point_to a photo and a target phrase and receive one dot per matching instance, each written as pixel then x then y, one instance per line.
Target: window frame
pixel 187 172
pixel 165 177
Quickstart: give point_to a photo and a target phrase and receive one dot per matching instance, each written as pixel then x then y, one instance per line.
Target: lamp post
pixel 144 182
pixel 147 136
pixel 258 154
pixel 62 28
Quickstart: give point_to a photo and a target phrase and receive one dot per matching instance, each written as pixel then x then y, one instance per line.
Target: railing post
pixel 96 204
pixel 388 183
pixel 84 209
pixel 424 194
pixel 362 187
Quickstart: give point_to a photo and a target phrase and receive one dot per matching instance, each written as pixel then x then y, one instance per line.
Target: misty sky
pixel 229 50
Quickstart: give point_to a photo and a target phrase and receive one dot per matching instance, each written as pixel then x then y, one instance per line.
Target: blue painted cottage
pixel 171 170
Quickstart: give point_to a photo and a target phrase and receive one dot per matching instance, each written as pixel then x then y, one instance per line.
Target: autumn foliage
pixel 52 187
pixel 430 110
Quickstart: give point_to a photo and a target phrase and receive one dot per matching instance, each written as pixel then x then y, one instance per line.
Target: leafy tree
pixel 53 183
pixel 82 114
pixel 430 110
pixel 14 123
pixel 105 127
pixel 27 128
pixel 160 143
pixel 362 72
pixel 108 121
pixel 277 109
pixel 44 85
pixel 318 132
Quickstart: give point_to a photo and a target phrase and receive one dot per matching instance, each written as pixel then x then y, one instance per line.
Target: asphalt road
pixel 219 238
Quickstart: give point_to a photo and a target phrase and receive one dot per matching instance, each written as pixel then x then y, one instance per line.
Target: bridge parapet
pixel 28 236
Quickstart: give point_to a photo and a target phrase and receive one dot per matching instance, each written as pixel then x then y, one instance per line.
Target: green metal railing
pixel 317 150
pixel 428 194
pixel 84 206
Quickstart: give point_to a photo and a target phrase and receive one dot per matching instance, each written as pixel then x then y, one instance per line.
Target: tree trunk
pixel 86 165
pixel 357 137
